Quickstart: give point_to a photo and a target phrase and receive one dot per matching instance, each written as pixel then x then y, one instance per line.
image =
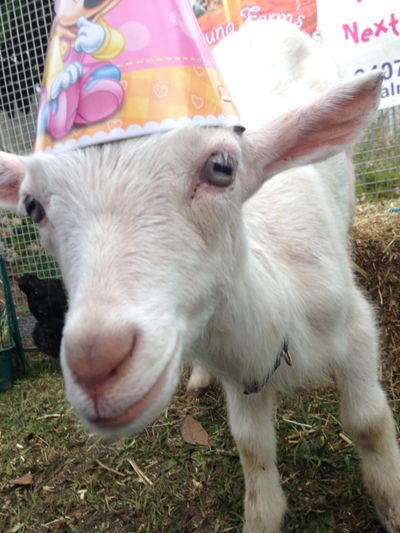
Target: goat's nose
pixel 97 360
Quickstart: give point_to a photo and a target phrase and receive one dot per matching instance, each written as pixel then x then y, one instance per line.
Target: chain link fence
pixel 377 158
pixel 24 27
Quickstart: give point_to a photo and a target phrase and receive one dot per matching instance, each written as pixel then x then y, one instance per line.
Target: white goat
pixel 176 244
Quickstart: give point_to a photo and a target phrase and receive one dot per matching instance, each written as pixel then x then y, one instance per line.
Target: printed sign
pixel 219 18
pixel 362 35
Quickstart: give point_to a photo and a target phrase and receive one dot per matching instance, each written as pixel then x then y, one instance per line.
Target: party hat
pixel 124 68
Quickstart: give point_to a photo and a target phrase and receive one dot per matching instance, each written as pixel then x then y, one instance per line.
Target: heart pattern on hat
pixel 160 90
pixel 197 101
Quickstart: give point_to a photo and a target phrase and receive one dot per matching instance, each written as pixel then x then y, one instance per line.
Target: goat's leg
pixel 367 418
pixel 199 381
pixel 252 428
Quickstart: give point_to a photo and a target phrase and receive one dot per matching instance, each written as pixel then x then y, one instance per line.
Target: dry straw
pixel 3 319
pixel 376 245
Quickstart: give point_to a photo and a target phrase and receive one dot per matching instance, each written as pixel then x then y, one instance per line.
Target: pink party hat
pixel 125 68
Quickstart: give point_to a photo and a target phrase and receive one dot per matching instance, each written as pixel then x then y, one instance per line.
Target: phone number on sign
pixel 391 69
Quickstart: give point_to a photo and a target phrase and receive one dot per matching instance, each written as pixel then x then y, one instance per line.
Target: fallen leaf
pixel 193 432
pixel 24 481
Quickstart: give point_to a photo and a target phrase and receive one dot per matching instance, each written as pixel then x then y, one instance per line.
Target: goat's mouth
pixel 135 410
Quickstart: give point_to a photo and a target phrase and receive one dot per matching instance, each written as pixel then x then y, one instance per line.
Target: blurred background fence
pixel 24 26
pixel 377 158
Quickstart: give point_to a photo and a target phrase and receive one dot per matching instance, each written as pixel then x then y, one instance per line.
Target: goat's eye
pixel 34 209
pixel 220 170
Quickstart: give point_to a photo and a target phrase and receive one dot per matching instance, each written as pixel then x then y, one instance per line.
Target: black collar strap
pixel 255 386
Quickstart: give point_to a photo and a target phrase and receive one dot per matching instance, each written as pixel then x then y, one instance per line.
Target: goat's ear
pixel 12 172
pixel 314 132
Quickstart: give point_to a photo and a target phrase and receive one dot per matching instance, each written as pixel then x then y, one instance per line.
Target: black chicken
pixel 47 336
pixel 47 301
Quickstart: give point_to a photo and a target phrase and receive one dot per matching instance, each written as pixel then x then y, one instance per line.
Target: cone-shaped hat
pixel 125 68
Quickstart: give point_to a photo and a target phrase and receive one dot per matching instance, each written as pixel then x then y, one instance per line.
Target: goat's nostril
pixel 97 361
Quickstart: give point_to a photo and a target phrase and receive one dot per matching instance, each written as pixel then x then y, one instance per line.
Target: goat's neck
pixel 246 333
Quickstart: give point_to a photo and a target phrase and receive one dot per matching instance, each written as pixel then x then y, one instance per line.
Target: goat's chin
pixel 143 411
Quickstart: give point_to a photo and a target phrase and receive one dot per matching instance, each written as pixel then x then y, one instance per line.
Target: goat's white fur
pixel 142 243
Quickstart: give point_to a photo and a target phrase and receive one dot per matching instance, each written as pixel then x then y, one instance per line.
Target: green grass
pixel 41 435
pixel 155 482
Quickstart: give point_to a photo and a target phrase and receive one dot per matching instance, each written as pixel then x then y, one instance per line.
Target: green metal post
pixel 13 322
